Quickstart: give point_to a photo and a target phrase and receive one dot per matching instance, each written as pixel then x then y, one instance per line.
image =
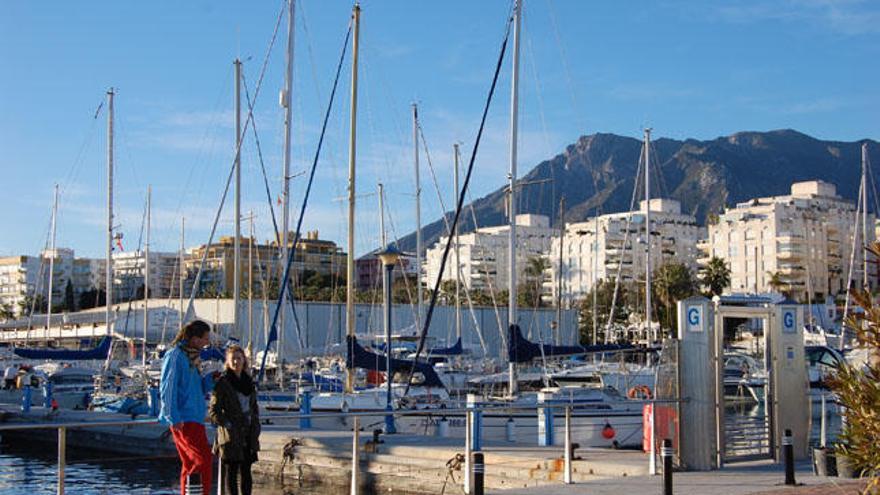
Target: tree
pixel 858 391
pixel 715 277
pixel 529 293
pixel 69 301
pixel 604 291
pixel 776 282
pixel 671 283
pixel 92 298
pixel 6 311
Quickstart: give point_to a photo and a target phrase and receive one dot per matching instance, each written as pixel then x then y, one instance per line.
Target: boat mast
pixel 250 311
pixel 52 264
pixel 352 155
pixel 457 247
pixel 182 274
pixel 147 276
pixel 559 274
pixel 864 193
pixel 596 279
pixel 236 249
pixel 383 238
pixel 649 331
pixel 511 242
pixel 415 110
pixel 108 278
pixel 285 175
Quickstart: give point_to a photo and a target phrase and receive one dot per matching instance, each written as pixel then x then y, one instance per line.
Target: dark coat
pixel 237 439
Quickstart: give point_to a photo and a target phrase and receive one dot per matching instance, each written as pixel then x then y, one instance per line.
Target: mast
pixel 182 273
pixel 864 193
pixel 649 331
pixel 511 242
pixel 415 110
pixel 108 278
pixel 236 248
pixel 457 252
pixel 147 276
pixel 596 278
pixel 285 174
pixel 352 156
pixel 559 274
pixel 52 263
pixel 250 312
pixel 383 238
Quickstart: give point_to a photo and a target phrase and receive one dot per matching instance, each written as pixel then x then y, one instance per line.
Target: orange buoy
pixel 608 431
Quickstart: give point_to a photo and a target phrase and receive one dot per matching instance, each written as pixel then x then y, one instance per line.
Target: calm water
pixel 33 470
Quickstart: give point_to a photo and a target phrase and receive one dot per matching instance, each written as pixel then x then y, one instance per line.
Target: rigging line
pixel 658 175
pixel 873 183
pixel 260 157
pixel 852 257
pixel 305 28
pixel 138 250
pixel 632 203
pixel 459 206
pixel 273 332
pixel 409 295
pixel 482 251
pixel 445 217
pixel 38 284
pixel 239 142
pixel 73 171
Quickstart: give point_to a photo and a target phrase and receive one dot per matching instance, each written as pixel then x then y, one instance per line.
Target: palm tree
pixel 775 282
pixel 715 276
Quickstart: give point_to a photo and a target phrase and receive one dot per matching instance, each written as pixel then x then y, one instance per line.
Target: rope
pixel 452 465
pixel 273 332
pixel 459 207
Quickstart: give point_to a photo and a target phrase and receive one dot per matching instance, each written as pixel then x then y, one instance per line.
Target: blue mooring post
pixel 305 407
pixel 545 422
pixel 154 401
pixel 476 424
pixel 26 399
pixel 47 395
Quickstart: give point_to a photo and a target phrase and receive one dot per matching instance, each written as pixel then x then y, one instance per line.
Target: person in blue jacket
pixel 182 392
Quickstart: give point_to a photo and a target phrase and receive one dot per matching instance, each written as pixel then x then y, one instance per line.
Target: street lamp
pixel 389 257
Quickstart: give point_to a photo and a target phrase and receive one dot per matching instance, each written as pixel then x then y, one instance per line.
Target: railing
pixel 471 413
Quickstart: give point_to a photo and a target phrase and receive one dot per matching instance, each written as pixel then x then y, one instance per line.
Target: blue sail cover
pixel 521 350
pixel 358 357
pixel 455 350
pixel 99 352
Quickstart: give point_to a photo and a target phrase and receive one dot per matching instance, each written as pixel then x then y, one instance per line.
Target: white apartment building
pixel 21 276
pixel 129 269
pixel 805 237
pixel 18 278
pixel 484 253
pixel 600 248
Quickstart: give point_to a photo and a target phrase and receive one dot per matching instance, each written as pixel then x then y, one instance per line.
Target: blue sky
pixel 697 69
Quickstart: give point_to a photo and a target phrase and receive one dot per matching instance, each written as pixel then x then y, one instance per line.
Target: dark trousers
pixel 231 471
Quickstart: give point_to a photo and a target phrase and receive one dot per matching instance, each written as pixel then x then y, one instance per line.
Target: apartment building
pixel 484 253
pixel 128 274
pixel 614 245
pixel 801 243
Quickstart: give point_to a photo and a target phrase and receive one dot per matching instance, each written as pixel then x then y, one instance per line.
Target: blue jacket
pixel 182 389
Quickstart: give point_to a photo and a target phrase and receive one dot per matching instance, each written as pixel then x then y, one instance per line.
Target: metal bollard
pixel 545 421
pixel 823 428
pixel 666 454
pixel 788 457
pixel 62 458
pixel 193 484
pixel 47 395
pixel 305 407
pixel 510 430
pixel 468 457
pixel 26 399
pixel 479 473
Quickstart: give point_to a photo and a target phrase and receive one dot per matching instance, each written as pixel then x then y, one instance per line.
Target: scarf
pixel 193 354
pixel 242 384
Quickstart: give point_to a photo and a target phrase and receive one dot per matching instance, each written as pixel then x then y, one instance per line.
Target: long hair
pixel 195 328
pixel 232 349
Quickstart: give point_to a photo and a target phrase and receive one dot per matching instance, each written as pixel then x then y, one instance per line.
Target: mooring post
pixel 545 420
pixel 62 457
pixel 510 430
pixel 788 457
pixel 568 453
pixel 305 408
pixel 666 454
pixel 355 457
pixel 26 399
pixel 154 401
pixel 479 473
pixel 823 432
pixel 47 395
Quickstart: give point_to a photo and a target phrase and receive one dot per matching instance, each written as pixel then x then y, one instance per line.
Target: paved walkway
pixel 762 477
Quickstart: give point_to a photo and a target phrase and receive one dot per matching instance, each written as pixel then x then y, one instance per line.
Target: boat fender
pixel 608 431
pixel 639 392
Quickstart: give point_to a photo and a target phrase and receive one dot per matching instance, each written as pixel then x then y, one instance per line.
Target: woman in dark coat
pixel 234 411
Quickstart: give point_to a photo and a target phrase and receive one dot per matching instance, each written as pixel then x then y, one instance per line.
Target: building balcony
pixel 789 254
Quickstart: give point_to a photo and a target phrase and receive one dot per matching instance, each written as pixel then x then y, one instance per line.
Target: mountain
pixel 598 171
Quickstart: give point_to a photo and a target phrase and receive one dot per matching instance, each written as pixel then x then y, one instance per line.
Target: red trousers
pixel 195 454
